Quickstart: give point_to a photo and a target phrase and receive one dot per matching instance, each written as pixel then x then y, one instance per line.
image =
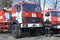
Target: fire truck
pixel 54 17
pixel 5 19
pixel 28 18
pixel 24 17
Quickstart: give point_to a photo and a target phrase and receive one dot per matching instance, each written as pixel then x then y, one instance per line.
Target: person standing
pixel 47 25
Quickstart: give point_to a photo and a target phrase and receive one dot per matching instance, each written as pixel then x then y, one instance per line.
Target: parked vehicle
pixel 28 17
pixel 5 18
pixel 24 17
pixel 54 18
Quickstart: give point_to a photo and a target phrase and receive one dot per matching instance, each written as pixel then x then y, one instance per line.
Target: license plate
pixel 33 25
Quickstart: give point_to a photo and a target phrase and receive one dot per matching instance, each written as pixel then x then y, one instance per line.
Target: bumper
pixel 31 25
pixel 57 26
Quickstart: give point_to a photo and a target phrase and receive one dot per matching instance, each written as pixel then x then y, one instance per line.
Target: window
pixel 18 8
pixel 31 8
pixel 55 13
pixel 37 9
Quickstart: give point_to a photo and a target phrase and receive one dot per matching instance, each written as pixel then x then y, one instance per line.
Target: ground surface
pixel 8 36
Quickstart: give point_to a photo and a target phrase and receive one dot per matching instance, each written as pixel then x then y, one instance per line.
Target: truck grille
pixel 32 20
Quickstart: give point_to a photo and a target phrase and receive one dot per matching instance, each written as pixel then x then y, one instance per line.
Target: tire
pixel 16 31
pixel 0 31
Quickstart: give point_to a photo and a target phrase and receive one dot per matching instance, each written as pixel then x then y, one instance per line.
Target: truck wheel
pixel 16 31
pixel 0 31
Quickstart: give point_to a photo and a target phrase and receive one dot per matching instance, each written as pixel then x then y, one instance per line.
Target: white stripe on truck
pixel 1 17
pixel 33 15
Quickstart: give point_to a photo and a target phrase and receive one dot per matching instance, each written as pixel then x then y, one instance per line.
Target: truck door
pixel 18 13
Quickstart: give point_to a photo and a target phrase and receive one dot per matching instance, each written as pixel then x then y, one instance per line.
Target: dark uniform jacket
pixel 47 24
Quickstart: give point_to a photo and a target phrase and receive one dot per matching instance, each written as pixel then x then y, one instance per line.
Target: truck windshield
pixel 31 8
pixel 55 13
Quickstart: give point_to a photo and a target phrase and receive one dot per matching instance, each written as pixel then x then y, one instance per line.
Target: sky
pixel 49 3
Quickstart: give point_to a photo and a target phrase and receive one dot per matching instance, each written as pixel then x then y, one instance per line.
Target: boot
pixel 49 35
pixel 46 35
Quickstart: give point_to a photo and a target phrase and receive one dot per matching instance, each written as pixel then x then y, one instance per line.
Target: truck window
pixel 37 9
pixel 18 8
pixel 54 13
pixel 31 8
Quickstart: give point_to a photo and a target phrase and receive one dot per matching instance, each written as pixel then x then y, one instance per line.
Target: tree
pixel 57 6
pixel 54 4
pixel 6 3
pixel 44 5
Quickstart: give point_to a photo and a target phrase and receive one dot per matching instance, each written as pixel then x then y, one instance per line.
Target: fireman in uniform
pixel 47 25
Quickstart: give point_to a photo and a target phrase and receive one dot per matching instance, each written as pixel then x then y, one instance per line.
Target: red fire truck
pixel 28 16
pixel 53 17
pixel 24 17
pixel 5 17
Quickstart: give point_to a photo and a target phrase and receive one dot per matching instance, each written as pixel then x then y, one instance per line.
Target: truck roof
pixel 51 10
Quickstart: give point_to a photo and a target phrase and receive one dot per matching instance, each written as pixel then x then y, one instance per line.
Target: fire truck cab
pixel 28 16
pixel 54 17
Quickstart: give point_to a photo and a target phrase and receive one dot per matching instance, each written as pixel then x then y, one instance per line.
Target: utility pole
pixel 56 4
pixel 39 2
pixel 44 5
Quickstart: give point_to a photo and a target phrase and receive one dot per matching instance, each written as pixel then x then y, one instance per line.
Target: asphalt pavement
pixel 8 36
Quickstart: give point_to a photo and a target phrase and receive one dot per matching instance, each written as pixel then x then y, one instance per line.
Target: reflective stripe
pixel 1 17
pixel 58 19
pixel 21 25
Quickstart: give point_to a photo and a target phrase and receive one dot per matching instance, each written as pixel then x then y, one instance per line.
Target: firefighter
pixel 47 25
